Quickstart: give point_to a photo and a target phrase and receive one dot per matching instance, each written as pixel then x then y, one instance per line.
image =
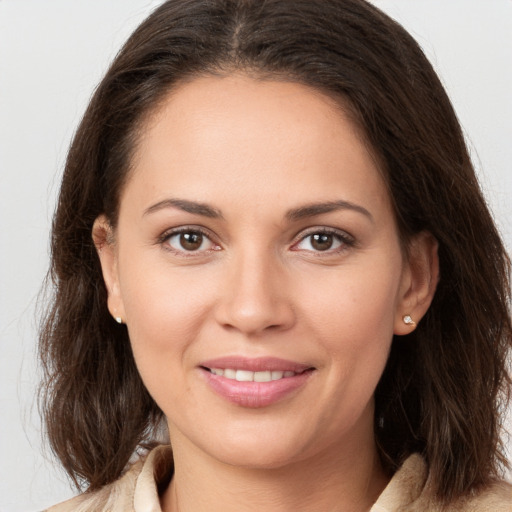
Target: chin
pixel 256 458
pixel 262 449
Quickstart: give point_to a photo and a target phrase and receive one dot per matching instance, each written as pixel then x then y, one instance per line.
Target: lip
pixel 258 364
pixel 255 394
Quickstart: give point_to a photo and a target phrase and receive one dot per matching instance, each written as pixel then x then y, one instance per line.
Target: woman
pixel 270 241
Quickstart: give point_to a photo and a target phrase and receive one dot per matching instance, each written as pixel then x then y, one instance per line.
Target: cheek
pixel 352 307
pixel 162 319
pixel 164 311
pixel 353 319
pixel 355 332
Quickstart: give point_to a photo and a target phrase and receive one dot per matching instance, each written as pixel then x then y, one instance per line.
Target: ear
pixel 104 241
pixel 419 282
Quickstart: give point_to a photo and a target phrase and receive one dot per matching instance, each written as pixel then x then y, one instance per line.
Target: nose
pixel 255 298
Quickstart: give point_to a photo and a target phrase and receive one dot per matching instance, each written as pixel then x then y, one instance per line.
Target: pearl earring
pixel 118 319
pixel 409 321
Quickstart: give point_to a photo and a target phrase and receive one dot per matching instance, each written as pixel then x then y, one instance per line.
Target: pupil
pixel 191 241
pixel 322 241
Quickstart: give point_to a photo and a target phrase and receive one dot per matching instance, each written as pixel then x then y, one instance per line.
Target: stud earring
pixel 408 320
pixel 118 319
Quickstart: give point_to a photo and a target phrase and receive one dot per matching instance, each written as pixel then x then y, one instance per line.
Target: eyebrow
pixel 194 207
pixel 311 210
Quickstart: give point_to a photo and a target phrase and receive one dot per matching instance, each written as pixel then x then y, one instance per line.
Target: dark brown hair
pixel 445 385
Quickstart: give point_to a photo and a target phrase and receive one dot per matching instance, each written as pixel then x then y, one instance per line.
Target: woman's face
pixel 258 268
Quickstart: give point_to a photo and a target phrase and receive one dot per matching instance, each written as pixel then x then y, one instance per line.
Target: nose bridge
pixel 255 297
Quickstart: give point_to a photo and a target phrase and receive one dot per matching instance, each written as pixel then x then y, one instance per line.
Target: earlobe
pixel 420 279
pixel 104 241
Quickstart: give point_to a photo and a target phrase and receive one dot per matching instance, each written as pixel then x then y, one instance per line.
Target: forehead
pixel 263 136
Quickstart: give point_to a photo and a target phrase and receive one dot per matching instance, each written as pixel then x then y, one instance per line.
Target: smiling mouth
pixel 248 376
pixel 255 383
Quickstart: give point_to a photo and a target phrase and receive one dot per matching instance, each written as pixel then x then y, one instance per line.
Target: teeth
pixel 247 376
pixel 229 374
pixel 262 377
pixel 244 376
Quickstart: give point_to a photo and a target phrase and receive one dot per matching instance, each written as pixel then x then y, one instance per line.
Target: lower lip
pixel 255 394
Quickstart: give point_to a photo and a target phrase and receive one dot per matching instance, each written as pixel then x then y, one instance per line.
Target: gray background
pixel 53 52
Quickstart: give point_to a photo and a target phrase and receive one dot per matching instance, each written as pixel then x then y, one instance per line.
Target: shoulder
pixel 139 484
pixel 409 491
pixel 497 497
pixel 115 496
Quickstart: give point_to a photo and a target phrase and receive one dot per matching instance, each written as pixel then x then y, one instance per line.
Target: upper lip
pixel 258 364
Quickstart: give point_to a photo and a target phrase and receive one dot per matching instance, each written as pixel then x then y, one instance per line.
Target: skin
pixel 257 286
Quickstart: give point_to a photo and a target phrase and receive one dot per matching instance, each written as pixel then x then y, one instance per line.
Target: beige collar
pixel 403 489
pixel 138 491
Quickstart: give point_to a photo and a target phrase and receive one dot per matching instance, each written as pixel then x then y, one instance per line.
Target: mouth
pixel 255 383
pixel 249 376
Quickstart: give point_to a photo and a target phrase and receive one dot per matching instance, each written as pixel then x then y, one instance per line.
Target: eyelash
pixel 165 237
pixel 346 241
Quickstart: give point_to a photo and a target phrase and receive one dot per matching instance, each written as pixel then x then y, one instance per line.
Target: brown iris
pixel 191 241
pixel 322 241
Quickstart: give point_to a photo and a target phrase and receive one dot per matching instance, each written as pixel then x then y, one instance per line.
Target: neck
pixel 335 479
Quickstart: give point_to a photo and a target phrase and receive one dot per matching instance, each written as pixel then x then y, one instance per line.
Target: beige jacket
pixel 137 491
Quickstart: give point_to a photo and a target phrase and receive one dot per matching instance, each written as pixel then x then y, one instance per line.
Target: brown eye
pixel 191 241
pixel 322 241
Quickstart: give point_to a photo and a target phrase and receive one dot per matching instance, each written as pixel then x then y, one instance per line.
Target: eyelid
pixel 346 238
pixel 169 233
